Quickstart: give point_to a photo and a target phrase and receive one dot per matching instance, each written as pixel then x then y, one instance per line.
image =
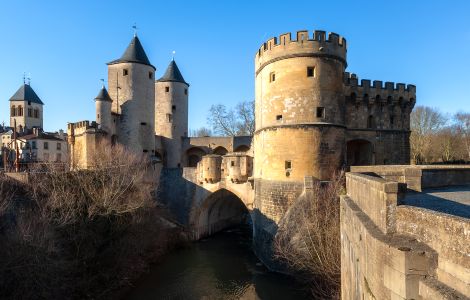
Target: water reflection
pixel 220 267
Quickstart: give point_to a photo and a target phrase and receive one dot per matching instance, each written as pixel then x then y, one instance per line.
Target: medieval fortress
pixel 312 119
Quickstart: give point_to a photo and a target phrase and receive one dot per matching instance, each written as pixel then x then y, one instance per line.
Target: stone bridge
pixel 216 194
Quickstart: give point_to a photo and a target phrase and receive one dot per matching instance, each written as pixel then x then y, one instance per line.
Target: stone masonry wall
pixel 392 251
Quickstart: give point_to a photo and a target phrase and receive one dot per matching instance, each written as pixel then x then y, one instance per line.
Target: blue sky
pixel 65 45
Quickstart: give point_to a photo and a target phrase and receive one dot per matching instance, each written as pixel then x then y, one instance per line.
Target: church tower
pixel 26 108
pixel 131 88
pixel 171 118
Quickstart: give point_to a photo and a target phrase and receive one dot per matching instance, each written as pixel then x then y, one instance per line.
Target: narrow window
pixel 20 111
pixel 29 102
pixel 232 163
pixel 370 122
pixel 288 165
pixel 33 144
pixel 173 107
pixel 46 145
pixel 59 146
pixel 98 116
pixel 143 123
pixel 169 117
pixel 272 77
pixel 392 121
pixel 320 112
pixel 36 113
pixel 13 111
pixel 125 72
pixel 279 117
pixel 150 75
pixel 30 112
pixel 310 72
pixel 186 91
pixel 167 89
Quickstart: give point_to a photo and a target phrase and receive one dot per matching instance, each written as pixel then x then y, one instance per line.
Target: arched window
pixel 36 113
pixel 353 97
pixel 392 121
pixel 366 98
pixel 13 111
pixel 20 111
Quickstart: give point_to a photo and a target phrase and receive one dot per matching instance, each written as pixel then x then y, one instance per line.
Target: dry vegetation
pixel 78 235
pixel 308 241
pixel 439 138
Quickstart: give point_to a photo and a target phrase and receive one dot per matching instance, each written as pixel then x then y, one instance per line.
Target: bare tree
pixel 229 122
pixel 201 132
pixel 308 239
pixel 424 122
pixel 246 115
pixel 462 121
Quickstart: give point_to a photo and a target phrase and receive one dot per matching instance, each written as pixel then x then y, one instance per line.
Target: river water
pixel 220 267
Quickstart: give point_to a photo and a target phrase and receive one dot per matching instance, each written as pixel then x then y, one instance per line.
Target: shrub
pixel 308 239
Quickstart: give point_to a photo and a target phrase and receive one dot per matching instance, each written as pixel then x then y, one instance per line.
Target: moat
pixel 220 267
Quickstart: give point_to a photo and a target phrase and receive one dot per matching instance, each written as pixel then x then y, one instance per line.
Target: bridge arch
pixel 221 209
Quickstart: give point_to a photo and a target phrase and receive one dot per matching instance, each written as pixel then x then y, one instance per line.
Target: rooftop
pixel 173 74
pixel 26 93
pixel 134 53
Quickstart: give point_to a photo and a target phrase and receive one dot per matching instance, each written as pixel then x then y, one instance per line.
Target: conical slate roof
pixel 26 93
pixel 134 53
pixel 172 74
pixel 103 95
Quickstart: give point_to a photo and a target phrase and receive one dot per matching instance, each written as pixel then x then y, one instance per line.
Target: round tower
pixel 103 104
pixel 171 117
pixel 131 88
pixel 300 127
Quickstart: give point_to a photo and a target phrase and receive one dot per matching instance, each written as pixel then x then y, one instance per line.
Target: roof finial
pixel 173 55
pixel 102 82
pixel 24 77
pixel 135 29
pixel 29 78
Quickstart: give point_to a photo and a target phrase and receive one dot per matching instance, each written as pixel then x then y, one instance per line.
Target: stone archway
pixel 220 210
pixel 194 155
pixel 220 151
pixel 359 153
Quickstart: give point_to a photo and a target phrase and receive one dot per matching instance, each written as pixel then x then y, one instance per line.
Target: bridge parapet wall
pixel 395 251
pixel 377 197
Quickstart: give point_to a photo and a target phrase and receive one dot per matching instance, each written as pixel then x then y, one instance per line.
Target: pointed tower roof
pixel 134 53
pixel 26 93
pixel 103 95
pixel 172 74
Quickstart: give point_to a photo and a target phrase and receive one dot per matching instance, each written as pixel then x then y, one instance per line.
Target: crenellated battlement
pixel 80 127
pixel 306 42
pixel 376 90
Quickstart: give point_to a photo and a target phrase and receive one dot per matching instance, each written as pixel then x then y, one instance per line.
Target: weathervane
pixel 26 79
pixel 135 29
pixel 102 81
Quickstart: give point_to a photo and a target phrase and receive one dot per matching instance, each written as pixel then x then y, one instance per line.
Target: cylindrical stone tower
pixel 103 104
pixel 131 87
pixel 300 128
pixel 171 117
